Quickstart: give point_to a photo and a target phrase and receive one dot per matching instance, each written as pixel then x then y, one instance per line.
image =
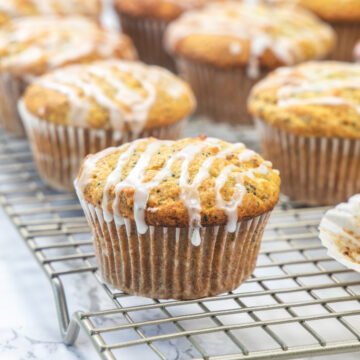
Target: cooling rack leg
pixel 69 329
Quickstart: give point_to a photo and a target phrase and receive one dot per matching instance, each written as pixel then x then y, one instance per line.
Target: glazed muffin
pixel 18 8
pixel 344 16
pixel 145 22
pixel 308 117
pixel 181 219
pixel 222 49
pixel 82 109
pixel 31 46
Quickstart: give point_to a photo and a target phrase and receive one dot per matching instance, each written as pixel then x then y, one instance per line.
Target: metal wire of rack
pixel 299 302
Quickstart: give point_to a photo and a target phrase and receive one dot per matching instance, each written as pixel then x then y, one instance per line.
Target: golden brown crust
pixel 236 34
pixel 334 10
pixel 25 50
pixel 17 8
pixel 166 205
pixel 158 9
pixel 311 99
pixel 110 95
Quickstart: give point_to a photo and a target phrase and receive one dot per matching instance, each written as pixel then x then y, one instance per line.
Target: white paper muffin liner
pixel 11 89
pixel 147 35
pixel 347 36
pixel 221 93
pixel 314 171
pixel 164 264
pixel 58 150
pixel 340 233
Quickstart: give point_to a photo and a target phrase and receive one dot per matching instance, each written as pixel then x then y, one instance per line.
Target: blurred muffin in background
pixel 222 49
pixel 18 8
pixel 308 118
pixel 344 17
pixel 82 109
pixel 145 22
pixel 32 46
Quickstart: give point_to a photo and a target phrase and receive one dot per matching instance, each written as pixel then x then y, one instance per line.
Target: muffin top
pixel 112 94
pixel 158 9
pixel 17 8
pixel 240 33
pixel 311 99
pixel 31 46
pixel 185 183
pixel 331 10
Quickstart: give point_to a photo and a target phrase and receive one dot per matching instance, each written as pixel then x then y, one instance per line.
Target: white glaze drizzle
pixel 68 7
pixel 126 107
pixel 189 190
pixel 55 40
pixel 280 29
pixel 320 79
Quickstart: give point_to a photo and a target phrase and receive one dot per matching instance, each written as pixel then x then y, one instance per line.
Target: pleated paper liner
pixel 58 150
pixel 221 93
pixel 164 264
pixel 11 89
pixel 347 36
pixel 340 233
pixel 314 170
pixel 147 35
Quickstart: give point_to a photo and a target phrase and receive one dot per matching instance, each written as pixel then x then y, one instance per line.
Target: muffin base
pixel 347 36
pixel 59 150
pixel 314 171
pixel 147 35
pixel 221 93
pixel 11 89
pixel 164 264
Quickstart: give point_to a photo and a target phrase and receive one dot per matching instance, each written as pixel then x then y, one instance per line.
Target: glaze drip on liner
pixel 189 190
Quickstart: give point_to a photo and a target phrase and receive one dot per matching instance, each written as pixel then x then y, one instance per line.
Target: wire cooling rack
pixel 298 302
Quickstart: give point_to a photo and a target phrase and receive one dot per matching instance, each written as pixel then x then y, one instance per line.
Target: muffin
pixel 177 219
pixel 222 49
pixel 340 233
pixel 18 8
pixel 145 22
pixel 82 109
pixel 31 46
pixel 308 117
pixel 344 16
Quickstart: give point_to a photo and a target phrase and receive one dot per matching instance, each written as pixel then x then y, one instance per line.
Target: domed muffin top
pixel 33 45
pixel 158 9
pixel 255 34
pixel 331 10
pixel 17 8
pixel 185 183
pixel 112 94
pixel 311 99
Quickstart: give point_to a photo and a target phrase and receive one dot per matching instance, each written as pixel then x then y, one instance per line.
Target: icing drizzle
pixel 322 80
pixel 127 106
pixel 189 189
pixel 282 29
pixel 56 41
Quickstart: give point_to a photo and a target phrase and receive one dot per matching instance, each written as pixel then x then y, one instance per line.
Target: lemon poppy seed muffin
pixel 223 47
pixel 344 17
pixel 82 109
pixel 31 46
pixel 18 8
pixel 145 22
pixel 308 117
pixel 188 215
